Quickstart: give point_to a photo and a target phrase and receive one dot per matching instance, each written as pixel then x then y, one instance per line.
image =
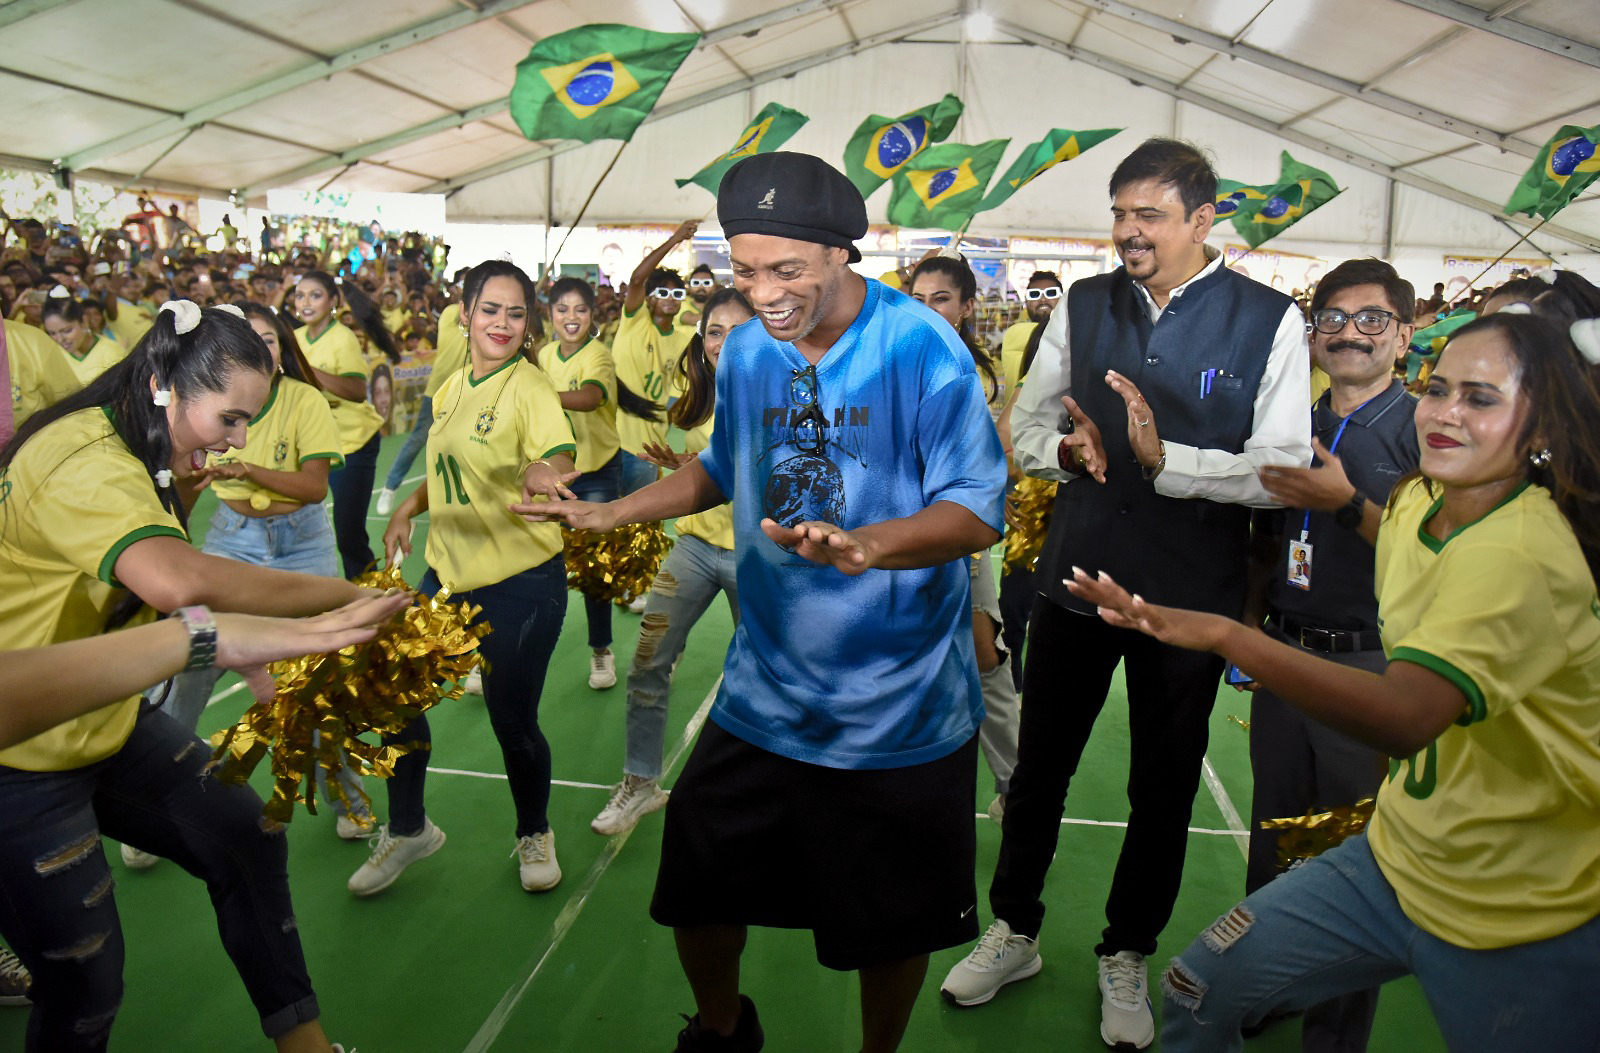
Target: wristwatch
pixel 202 637
pixel 1350 514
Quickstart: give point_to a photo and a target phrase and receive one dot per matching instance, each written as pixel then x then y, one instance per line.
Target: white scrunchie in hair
pixel 185 314
pixel 1585 334
pixel 1546 275
pixel 1516 308
pixel 231 309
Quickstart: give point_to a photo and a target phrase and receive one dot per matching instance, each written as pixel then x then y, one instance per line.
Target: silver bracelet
pixel 202 628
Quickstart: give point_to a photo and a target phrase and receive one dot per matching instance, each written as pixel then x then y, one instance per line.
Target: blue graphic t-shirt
pixel 876 670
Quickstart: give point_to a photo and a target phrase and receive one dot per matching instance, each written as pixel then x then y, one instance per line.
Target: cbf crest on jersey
pixel 881 147
pixel 595 82
pixel 484 424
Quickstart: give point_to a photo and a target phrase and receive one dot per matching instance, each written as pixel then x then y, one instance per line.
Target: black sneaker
pixel 746 1037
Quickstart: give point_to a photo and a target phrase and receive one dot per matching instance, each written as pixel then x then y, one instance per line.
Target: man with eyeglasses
pixel 1366 441
pixel 832 787
pixel 1157 392
pixel 1038 300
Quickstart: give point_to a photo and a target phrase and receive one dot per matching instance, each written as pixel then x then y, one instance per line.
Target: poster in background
pixel 1288 272
pixel 1460 271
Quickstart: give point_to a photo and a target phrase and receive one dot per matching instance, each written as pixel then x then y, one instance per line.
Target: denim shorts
pixel 301 540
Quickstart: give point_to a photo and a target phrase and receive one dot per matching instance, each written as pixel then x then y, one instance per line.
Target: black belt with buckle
pixel 1328 641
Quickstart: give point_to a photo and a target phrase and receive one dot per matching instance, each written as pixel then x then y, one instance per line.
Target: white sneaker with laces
pixel 1125 1019
pixel 536 861
pixel 391 855
pixel 1001 957
pixel 355 827
pixel 473 684
pixel 602 670
pixel 385 501
pixel 15 981
pixel 633 798
pixel 134 859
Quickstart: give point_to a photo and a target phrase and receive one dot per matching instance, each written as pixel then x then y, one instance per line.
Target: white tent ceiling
pixel 1428 111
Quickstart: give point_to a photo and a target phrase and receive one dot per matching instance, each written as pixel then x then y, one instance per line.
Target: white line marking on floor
pixel 497 775
pixel 1124 826
pixel 490 1031
pixel 224 693
pixel 1230 814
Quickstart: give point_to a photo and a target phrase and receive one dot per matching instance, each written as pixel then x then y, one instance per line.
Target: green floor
pixel 456 957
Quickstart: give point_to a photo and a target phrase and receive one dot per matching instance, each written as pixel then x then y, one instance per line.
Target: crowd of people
pixel 1250 489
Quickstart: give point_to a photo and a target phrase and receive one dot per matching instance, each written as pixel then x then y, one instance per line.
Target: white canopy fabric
pixel 1427 111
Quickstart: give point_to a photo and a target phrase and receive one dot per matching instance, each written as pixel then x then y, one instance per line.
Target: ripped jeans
pixel 57 911
pixel 1333 926
pixel 687 582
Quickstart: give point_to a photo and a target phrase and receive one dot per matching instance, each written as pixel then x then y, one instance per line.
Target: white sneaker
pixel 391 855
pixel 355 827
pixel 385 501
pixel 633 798
pixel 1125 1020
pixel 15 982
pixel 536 861
pixel 134 859
pixel 1001 957
pixel 473 684
pixel 637 606
pixel 602 670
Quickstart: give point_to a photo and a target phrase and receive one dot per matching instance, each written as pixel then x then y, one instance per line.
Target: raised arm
pixel 641 273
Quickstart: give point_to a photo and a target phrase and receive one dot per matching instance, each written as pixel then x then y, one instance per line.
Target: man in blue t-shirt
pixel 832 789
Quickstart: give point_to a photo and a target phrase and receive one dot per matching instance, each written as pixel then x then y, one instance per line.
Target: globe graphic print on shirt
pixel 805 488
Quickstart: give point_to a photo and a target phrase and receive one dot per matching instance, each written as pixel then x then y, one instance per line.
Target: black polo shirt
pixel 1378 448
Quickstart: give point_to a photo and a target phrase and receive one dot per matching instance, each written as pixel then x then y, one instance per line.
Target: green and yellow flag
pixel 944 188
pixel 881 146
pixel 595 82
pixel 1568 163
pixel 1300 191
pixel 1236 200
pixel 1038 158
pixel 771 129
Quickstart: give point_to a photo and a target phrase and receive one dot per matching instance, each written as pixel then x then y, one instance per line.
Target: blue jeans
pixel 602 484
pixel 414 444
pixel 637 473
pixel 57 910
pixel 351 488
pixel 526 611
pixel 682 590
pixel 1333 926
pixel 298 541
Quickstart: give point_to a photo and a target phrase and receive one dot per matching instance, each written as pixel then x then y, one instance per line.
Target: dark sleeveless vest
pixel 1175 552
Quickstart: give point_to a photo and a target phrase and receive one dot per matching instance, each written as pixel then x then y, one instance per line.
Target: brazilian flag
pixel 1235 200
pixel 1568 163
pixel 1038 158
pixel 944 188
pixel 1300 191
pixel 595 82
pixel 771 129
pixel 881 146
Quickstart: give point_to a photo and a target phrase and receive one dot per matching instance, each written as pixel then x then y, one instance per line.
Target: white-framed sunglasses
pixel 1052 293
pixel 702 283
pixel 665 293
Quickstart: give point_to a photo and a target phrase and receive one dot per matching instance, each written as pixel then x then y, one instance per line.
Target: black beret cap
pixel 791 195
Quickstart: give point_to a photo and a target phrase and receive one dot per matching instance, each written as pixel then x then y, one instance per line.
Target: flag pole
pixel 1500 257
pixel 586 202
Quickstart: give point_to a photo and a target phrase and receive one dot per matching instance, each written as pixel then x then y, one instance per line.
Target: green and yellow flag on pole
pixel 1037 158
pixel 944 187
pixel 595 82
pixel 1568 163
pixel 1239 200
pixel 881 146
pixel 1300 191
pixel 771 129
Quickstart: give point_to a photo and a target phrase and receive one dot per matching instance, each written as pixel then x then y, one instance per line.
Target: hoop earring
pixel 594 331
pixel 1540 458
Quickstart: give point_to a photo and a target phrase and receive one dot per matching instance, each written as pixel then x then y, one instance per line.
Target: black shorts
pixel 877 864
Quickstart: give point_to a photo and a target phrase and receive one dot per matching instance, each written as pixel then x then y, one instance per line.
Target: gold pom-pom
pixel 326 701
pixel 1031 502
pixel 1312 834
pixel 617 565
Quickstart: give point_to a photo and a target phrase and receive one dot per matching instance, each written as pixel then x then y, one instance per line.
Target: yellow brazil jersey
pixel 295 426
pixel 40 373
pixel 131 323
pixel 1320 382
pixel 596 431
pixel 485 433
pixel 1488 834
pixel 70 503
pixel 1012 346
pixel 646 359
pixel 101 356
pixel 715 525
pixel 338 352
pixel 452 353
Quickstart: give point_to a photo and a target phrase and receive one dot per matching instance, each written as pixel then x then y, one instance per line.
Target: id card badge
pixel 1300 564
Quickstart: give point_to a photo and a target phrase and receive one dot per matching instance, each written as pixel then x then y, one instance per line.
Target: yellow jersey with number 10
pixel 646 361
pixel 485 433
